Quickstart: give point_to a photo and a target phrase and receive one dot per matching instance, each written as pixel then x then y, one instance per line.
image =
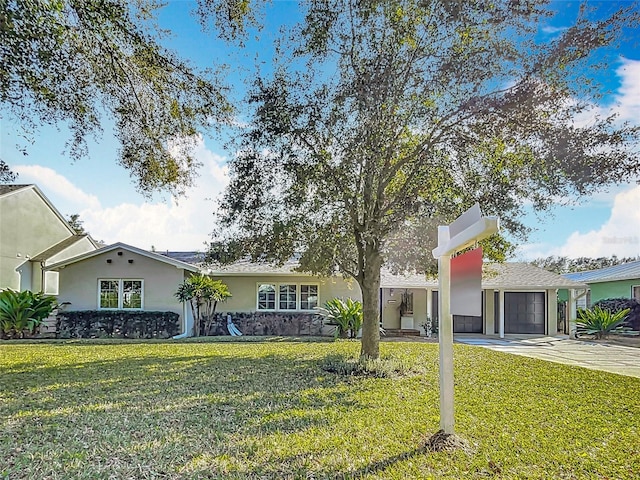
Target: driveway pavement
pixel 596 356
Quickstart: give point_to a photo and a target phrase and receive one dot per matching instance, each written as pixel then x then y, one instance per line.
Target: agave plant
pixel 346 315
pixel 20 311
pixel 600 322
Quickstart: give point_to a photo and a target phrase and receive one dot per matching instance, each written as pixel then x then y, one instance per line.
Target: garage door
pixel 467 324
pixel 524 312
pixel 461 323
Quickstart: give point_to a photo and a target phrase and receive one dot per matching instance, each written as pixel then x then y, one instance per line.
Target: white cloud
pixel 183 223
pixel 619 235
pixel 548 29
pixel 628 96
pixel 52 182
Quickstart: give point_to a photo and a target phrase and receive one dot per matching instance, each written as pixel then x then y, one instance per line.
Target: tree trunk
pixel 370 287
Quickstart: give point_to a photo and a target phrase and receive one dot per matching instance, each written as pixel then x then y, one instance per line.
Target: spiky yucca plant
pixel 600 322
pixel 346 315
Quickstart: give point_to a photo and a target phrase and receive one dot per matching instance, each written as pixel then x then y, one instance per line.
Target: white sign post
pixel 462 233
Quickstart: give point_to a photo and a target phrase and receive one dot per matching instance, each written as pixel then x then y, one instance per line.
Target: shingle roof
pixel 524 275
pixel 4 189
pixel 511 275
pixel 625 271
pixel 59 247
pixel 194 258
pixel 496 275
pixel 247 267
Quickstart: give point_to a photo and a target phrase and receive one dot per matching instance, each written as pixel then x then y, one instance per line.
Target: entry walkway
pixel 596 356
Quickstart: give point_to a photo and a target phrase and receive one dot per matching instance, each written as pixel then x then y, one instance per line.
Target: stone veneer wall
pixel 270 323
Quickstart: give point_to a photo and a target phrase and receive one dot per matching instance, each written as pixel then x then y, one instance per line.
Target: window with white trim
pixel 117 293
pixel 635 292
pixel 266 296
pixel 308 297
pixel 287 296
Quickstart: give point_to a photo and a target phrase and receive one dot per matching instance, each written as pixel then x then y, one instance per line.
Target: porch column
pixel 429 307
pixel 489 313
pixel 501 325
pixel 572 313
pixel 552 312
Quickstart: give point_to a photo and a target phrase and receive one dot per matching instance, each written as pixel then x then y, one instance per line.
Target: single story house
pixel 619 281
pixel 517 298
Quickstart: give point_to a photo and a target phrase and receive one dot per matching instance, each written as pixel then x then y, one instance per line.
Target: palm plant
pixel 203 294
pixel 21 311
pixel 345 315
pixel 600 322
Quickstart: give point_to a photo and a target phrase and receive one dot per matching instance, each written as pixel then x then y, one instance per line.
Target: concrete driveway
pixel 596 356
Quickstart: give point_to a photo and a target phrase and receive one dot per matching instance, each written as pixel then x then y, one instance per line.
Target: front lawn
pixel 267 409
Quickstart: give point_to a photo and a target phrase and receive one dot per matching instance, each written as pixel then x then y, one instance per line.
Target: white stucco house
pixel 40 251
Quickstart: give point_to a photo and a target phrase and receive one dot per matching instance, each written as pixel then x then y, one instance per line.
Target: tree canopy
pixel 81 63
pixel 559 264
pixel 383 119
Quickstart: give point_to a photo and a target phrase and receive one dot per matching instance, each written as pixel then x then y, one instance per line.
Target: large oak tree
pixel 85 64
pixel 384 118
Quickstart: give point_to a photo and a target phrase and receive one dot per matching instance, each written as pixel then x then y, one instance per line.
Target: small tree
pixel 76 224
pixel 203 294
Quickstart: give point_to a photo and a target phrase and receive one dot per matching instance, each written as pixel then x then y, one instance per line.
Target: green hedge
pixel 116 324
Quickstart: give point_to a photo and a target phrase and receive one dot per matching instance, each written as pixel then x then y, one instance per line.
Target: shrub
pixel 345 315
pixel 116 324
pixel 600 322
pixel 616 304
pixel 23 311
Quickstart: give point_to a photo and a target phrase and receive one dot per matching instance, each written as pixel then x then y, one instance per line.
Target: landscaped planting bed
pixel 268 409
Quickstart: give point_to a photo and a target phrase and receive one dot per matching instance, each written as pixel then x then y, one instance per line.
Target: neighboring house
pixel 122 277
pixel 33 234
pixel 517 298
pixel 619 281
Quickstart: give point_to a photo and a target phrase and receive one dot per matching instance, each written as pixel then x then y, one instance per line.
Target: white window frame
pixel 121 293
pixel 317 285
pixel 633 293
pixel 275 301
pixel 298 293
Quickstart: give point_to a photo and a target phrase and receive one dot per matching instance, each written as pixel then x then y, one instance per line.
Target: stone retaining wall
pixel 271 323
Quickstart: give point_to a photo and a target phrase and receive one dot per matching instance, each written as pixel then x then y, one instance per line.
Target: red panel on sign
pixel 466 283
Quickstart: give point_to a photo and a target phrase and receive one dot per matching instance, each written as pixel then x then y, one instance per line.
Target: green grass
pixel 267 409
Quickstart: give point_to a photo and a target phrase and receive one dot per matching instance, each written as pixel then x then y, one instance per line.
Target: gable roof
pixel 246 267
pixel 61 246
pixel 625 271
pixel 124 246
pixel 6 190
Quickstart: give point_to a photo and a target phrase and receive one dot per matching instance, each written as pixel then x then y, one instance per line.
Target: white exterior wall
pixel 245 289
pixel 79 281
pixel 28 227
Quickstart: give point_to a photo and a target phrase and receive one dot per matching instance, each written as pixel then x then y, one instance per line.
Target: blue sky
pixel 104 195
